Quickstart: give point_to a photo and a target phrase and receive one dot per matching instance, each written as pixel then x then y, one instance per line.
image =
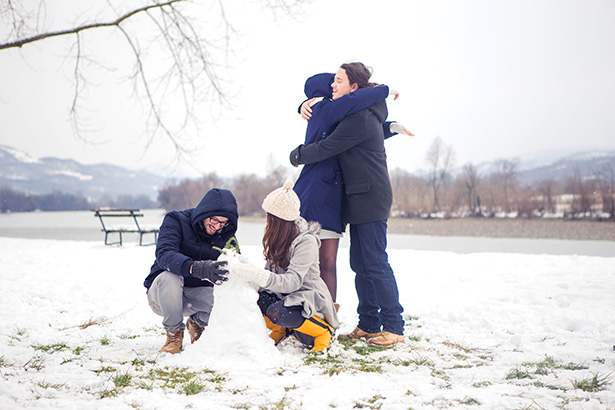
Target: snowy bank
pixel 483 331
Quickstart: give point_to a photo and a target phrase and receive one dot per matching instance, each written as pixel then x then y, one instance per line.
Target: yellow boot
pixel 277 332
pixel 320 330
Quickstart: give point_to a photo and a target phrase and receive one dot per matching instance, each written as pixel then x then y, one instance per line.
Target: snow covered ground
pixel 483 331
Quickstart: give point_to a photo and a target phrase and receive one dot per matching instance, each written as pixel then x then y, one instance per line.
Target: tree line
pixel 439 192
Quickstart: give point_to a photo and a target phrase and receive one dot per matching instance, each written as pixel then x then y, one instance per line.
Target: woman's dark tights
pixel 328 262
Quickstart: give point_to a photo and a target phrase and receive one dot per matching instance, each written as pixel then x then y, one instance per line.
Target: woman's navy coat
pixel 319 185
pixel 183 240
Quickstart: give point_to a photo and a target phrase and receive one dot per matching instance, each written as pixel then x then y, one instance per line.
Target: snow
pixel 483 331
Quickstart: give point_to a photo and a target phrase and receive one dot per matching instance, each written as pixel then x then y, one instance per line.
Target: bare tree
pixel 471 181
pixel 582 190
pixel 548 190
pixel 174 62
pixel 506 176
pixel 606 180
pixel 440 159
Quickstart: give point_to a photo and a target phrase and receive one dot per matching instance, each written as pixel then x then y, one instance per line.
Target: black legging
pixel 273 307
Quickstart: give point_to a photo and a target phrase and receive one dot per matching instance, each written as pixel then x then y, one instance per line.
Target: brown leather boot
pixel 195 331
pixel 174 342
pixel 359 334
pixel 385 339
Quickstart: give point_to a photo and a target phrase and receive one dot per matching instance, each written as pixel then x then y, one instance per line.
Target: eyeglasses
pixel 216 222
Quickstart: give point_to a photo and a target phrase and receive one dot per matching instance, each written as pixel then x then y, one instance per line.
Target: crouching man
pixel 182 277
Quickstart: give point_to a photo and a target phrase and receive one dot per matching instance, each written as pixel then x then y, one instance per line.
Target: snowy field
pixel 483 331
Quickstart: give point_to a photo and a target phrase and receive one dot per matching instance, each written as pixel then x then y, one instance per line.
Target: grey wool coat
pixel 300 283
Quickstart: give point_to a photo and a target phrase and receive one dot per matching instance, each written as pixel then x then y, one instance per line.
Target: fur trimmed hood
pixel 308 228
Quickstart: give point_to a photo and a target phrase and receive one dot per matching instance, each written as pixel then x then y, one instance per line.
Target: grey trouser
pixel 170 299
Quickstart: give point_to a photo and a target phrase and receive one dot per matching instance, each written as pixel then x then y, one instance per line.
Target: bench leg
pixel 113 243
pixel 147 244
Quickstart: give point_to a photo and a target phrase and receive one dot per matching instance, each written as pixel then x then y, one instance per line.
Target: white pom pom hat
pixel 283 203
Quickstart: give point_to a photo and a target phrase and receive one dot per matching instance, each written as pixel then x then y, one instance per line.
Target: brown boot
pixel 385 339
pixel 359 334
pixel 195 331
pixel 174 342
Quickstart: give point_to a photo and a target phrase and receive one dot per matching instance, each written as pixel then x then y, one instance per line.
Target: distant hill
pixel 587 164
pixel 32 175
pixel 534 170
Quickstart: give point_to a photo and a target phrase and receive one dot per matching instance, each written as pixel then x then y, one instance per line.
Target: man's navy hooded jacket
pixel 183 240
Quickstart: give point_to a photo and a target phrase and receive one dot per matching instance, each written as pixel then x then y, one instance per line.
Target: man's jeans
pixel 170 299
pixel 379 307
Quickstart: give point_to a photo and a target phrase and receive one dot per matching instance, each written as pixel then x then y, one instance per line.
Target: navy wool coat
pixel 183 240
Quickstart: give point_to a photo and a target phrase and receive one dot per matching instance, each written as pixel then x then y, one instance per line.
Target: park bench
pixel 106 213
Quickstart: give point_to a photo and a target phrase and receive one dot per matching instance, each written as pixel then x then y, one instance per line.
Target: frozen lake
pixel 83 226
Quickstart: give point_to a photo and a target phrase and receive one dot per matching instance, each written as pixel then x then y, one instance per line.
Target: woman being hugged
pixel 292 296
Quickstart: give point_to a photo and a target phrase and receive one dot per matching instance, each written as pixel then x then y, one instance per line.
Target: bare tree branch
pixel 77 30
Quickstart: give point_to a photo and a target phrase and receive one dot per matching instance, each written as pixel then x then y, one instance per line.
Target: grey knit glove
pixel 212 271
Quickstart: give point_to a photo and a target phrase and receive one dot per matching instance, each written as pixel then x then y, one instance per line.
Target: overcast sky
pixel 493 79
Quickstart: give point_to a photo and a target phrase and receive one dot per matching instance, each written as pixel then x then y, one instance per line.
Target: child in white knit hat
pixel 293 298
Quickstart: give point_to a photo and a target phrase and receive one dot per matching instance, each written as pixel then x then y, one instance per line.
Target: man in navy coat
pixel 182 277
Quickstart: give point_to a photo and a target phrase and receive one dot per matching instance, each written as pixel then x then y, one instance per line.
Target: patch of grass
pixel 548 386
pixel 359 346
pixel 106 369
pixel 172 377
pixel 282 404
pixel 193 388
pixel 440 374
pixel 574 366
pixel 122 380
pixel 367 366
pixel 105 341
pixel 17 334
pixel 422 361
pixel 409 321
pixel 370 403
pixel 469 401
pixel 46 385
pixel 591 384
pixel 36 363
pixel 128 336
pixel 549 364
pixel 109 393
pixel 518 373
pixel 53 348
